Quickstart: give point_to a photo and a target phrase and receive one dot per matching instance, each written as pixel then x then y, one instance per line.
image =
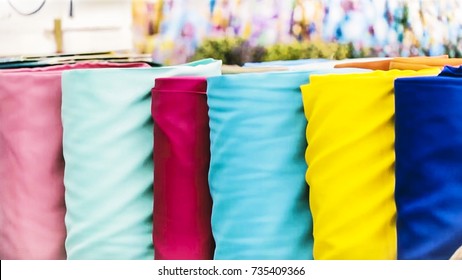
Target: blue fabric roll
pixel 429 165
pixel 257 169
pixel 108 146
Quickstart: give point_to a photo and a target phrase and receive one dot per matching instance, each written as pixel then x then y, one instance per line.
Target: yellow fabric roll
pixel 350 159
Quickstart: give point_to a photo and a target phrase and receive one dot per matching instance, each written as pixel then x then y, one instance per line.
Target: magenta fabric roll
pixel 32 206
pixel 182 201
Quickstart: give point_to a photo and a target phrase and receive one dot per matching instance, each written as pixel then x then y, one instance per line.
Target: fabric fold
pixel 182 201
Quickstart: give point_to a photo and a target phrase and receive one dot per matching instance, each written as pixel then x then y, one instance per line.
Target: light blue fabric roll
pixel 257 169
pixel 108 145
pixel 285 62
pixel 256 177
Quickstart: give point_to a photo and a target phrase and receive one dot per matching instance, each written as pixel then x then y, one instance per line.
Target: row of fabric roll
pixel 288 160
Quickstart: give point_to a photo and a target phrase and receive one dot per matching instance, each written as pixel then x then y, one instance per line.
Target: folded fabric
pixel 182 202
pixel 390 63
pixel 428 163
pixel 417 63
pixel 285 62
pixel 378 64
pixel 22 64
pixel 31 162
pixel 256 177
pixel 80 65
pixel 318 66
pixel 108 150
pixel 235 69
pixel 350 160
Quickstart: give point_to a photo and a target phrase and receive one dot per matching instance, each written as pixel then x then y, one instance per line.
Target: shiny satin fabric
pixel 32 204
pixel 350 160
pixel 428 163
pixel 416 63
pixel 108 150
pixel 379 64
pixel 182 201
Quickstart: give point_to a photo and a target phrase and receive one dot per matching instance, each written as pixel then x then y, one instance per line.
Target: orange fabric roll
pixel 403 63
pixel 379 64
pixel 418 63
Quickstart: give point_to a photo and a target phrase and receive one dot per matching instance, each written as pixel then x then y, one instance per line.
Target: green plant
pixel 232 51
pixel 306 50
pixel 237 51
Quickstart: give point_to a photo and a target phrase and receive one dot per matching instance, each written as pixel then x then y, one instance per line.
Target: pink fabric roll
pixel 182 201
pixel 32 206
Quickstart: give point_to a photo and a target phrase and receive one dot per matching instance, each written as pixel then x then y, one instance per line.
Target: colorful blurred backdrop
pixel 172 30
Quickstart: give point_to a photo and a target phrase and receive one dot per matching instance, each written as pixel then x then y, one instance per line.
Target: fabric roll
pixel 256 177
pixel 31 167
pixel 350 160
pixel 182 202
pixel 235 69
pixel 418 63
pixel 403 63
pixel 428 163
pixel 32 204
pixel 108 151
pixel 376 64
pixel 22 64
pixel 285 63
pixel 79 65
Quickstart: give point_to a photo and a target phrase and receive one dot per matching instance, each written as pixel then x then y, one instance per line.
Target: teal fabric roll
pixel 108 145
pixel 257 168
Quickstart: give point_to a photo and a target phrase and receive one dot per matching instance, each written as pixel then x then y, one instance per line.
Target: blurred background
pixel 236 31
